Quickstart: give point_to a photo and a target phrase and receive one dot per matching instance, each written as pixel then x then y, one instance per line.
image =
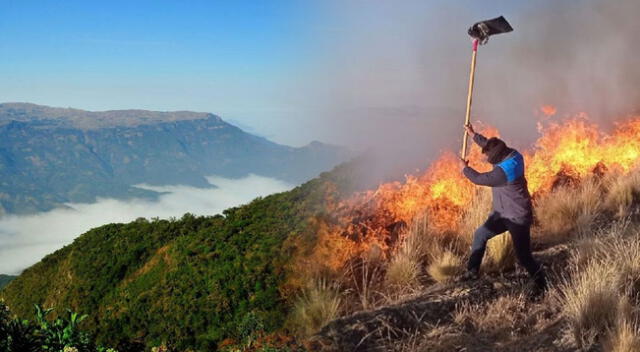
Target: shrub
pixel 61 334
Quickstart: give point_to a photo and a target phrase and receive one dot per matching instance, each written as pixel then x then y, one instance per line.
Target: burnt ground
pixel 490 314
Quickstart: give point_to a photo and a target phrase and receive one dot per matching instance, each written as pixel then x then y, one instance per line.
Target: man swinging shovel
pixel 512 210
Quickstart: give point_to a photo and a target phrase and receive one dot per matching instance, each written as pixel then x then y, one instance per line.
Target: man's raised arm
pixel 477 137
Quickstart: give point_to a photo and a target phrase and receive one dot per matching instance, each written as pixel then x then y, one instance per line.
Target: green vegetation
pixel 43 334
pixel 188 283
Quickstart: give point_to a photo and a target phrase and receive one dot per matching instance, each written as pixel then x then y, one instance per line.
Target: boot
pixel 537 287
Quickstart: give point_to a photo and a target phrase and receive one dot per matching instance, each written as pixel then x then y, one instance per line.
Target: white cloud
pixel 24 240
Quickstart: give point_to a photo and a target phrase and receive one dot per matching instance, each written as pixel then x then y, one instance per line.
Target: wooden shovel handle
pixel 467 116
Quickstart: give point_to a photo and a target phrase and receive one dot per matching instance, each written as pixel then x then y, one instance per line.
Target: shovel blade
pixel 483 29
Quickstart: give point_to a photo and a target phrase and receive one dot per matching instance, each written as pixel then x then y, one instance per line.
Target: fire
pixel 575 147
pixel 548 110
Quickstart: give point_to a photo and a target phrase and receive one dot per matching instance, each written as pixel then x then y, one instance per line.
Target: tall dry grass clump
pixel 500 254
pixel 317 305
pixel 589 302
pixel 602 295
pixel 404 268
pixel 568 210
pixel 424 245
pixel 622 192
pixel 624 337
pixel 444 265
pixel 475 214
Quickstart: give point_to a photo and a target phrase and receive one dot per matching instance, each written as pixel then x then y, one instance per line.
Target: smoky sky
pixel 24 240
pixel 395 73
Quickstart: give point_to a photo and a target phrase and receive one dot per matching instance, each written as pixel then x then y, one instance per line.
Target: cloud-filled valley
pixel 25 239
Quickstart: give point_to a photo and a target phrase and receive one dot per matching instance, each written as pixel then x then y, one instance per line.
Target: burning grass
pixel 392 238
pixel 568 172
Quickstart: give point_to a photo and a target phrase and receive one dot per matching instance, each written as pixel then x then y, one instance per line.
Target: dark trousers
pixel 521 236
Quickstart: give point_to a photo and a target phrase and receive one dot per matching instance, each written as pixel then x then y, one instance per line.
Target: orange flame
pixel 548 110
pixel 575 146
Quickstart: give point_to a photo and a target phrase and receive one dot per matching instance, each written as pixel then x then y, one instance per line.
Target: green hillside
pixel 189 283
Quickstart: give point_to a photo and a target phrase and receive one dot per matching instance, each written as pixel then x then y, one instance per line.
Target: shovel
pixel 480 32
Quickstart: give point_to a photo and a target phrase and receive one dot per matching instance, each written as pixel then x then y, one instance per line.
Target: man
pixel 512 209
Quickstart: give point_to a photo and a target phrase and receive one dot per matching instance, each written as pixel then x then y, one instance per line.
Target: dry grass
pixel 439 338
pixel 318 304
pixel 475 214
pixel 496 319
pixel 622 192
pixel 403 270
pixel 500 255
pixel 605 277
pixel 589 302
pixel 444 266
pixel 624 337
pixel 568 211
pixel 628 269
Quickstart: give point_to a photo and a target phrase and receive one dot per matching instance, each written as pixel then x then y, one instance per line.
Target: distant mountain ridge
pixel 51 156
pixel 87 120
pixel 5 279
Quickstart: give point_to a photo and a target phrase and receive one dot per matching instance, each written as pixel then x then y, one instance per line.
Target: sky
pixel 256 63
pixel 237 59
pixel 348 72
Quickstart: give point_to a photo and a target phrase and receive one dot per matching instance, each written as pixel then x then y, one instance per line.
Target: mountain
pixel 191 282
pixel 5 279
pixel 51 156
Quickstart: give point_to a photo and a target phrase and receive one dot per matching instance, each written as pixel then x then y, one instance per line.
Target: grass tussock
pixel 403 270
pixel 604 287
pixel 445 266
pixel 500 255
pixel 622 192
pixel 589 302
pixel 475 214
pixel 624 337
pixel 317 305
pixel 568 211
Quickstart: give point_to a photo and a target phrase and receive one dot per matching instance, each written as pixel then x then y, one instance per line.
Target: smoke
pixel 394 75
pixel 24 240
